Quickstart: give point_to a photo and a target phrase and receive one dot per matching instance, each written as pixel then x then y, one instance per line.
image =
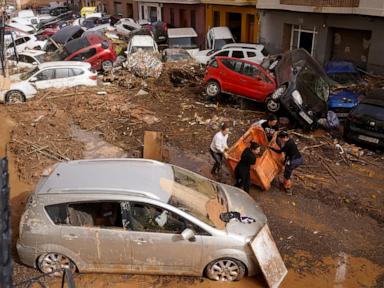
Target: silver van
pixel 138 216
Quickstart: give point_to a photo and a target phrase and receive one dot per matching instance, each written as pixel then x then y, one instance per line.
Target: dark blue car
pixel 344 73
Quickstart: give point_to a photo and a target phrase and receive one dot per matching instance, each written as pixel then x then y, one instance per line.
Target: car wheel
pixel 272 105
pixel 107 65
pixel 51 262
pixel 14 97
pixel 212 88
pixel 225 269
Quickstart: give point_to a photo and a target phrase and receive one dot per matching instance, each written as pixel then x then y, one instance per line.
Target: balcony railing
pixel 322 3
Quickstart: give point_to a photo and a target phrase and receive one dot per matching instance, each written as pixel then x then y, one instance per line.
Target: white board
pixel 269 258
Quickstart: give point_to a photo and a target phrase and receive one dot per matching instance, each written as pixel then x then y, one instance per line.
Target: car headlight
pixel 278 92
pixel 297 97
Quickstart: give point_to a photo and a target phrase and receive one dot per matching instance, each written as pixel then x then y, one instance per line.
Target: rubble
pixel 144 64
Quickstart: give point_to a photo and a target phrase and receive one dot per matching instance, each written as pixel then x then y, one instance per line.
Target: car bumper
pixel 27 254
pixel 371 138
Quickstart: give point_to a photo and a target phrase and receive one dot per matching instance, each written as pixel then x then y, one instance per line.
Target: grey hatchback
pixel 138 216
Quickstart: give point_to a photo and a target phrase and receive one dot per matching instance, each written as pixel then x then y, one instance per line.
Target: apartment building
pixel 239 15
pixel 350 30
pixel 125 8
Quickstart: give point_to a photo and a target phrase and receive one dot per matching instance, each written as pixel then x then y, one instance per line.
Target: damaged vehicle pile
pixel 168 220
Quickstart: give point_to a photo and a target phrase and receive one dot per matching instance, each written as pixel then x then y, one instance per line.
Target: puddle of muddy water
pixel 95 146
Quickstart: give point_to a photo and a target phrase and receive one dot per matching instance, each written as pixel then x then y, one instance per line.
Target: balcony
pixel 322 3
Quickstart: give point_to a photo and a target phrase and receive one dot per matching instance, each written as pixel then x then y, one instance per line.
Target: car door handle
pixel 70 236
pixel 140 241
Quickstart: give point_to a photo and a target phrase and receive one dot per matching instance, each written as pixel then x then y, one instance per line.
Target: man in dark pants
pixel 218 148
pixel 242 170
pixel 293 158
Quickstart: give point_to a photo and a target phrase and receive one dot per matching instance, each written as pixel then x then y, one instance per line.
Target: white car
pixel 60 74
pixel 184 38
pixel 126 25
pixel 250 54
pixel 143 42
pixel 217 37
pixel 24 42
pixel 28 59
pixel 26 17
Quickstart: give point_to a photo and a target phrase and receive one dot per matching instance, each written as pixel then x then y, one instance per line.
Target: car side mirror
pixel 188 234
pixel 33 79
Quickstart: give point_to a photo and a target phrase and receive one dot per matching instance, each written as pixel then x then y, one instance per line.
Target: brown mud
pixel 330 232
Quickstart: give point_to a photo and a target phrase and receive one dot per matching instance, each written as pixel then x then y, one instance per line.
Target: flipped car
pixel 60 74
pixel 239 77
pixel 87 212
pixel 302 88
pixel 342 99
pixel 125 26
pixel 365 123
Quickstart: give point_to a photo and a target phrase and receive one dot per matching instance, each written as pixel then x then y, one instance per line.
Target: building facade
pixel 239 15
pixel 351 30
pixel 125 8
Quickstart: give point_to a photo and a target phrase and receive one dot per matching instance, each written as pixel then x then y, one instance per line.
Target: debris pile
pixel 188 73
pixel 144 64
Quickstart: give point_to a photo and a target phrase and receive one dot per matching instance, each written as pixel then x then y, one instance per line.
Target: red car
pixel 242 78
pixel 92 48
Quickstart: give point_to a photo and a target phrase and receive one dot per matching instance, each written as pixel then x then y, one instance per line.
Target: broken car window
pixel 58 213
pixel 195 195
pixel 84 55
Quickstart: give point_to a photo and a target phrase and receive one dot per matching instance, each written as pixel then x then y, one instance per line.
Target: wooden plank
pixel 269 258
pixel 153 145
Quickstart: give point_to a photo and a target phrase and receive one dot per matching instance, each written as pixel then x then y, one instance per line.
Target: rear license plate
pixel 306 117
pixel 342 115
pixel 369 139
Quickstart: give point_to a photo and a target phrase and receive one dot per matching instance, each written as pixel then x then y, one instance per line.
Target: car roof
pixel 181 32
pixel 106 176
pixel 334 67
pixel 244 46
pixel 54 64
pixel 222 32
pixel 142 40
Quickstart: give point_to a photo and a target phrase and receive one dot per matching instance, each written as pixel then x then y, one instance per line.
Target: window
pixel 90 214
pixel 193 19
pixel 46 75
pixel 62 73
pixel 223 53
pixel 148 218
pixel 152 13
pixel 19 41
pixel 76 72
pixel 127 27
pixel 237 54
pixel 251 54
pixel 216 18
pixel 172 12
pixel 129 10
pixel 232 64
pixel 118 8
pixel 302 37
pixel 214 64
pixel 84 55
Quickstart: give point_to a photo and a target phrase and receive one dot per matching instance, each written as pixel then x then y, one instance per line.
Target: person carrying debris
pixel 270 126
pixel 218 148
pixel 293 158
pixel 242 170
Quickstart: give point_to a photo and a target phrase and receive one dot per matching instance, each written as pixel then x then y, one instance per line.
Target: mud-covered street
pixel 329 233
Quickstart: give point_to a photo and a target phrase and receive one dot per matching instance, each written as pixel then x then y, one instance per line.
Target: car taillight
pixel 93 77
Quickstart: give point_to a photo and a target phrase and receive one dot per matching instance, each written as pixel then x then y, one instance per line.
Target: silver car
pixel 138 216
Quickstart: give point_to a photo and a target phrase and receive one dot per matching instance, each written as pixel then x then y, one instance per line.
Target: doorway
pixel 234 24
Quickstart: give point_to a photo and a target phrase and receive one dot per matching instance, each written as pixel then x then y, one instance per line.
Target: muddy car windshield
pixel 311 83
pixel 28 74
pixel 183 42
pixel 196 195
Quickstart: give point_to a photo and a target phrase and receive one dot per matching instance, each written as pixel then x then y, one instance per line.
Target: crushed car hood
pixel 239 201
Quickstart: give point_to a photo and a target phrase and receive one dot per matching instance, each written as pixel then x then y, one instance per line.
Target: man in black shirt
pixel 242 170
pixel 270 126
pixel 293 158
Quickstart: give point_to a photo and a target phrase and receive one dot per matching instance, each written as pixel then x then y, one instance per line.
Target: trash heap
pixel 144 64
